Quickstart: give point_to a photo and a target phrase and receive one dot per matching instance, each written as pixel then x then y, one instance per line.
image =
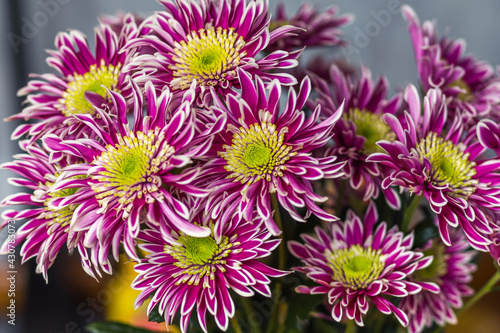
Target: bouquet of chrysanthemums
pixel 253 192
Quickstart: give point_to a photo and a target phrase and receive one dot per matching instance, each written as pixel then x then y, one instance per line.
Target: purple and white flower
pixel 360 127
pixel 47 228
pixel 137 171
pixel 53 99
pixel 187 275
pixel 264 152
pixel 436 159
pixel 207 41
pixel 451 270
pixel 357 266
pixel 317 28
pixel 472 85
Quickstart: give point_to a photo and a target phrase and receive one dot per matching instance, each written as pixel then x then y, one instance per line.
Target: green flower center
pixel 467 95
pixel 210 60
pixel 200 250
pixel 199 257
pixel 257 153
pixel 131 166
pixel 356 267
pixel 450 165
pixel 437 268
pixel 73 100
pixel 208 56
pixel 370 126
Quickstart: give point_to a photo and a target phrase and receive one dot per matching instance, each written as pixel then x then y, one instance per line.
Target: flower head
pixel 360 126
pixel 207 41
pixel 185 274
pixel 47 228
pixel 451 270
pixel 472 85
pixel 139 171
pixel 264 152
pixel 54 98
pixel 120 19
pixel 318 28
pixel 441 162
pixel 356 266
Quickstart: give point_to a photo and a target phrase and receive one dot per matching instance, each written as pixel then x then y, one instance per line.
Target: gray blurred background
pixel 29 26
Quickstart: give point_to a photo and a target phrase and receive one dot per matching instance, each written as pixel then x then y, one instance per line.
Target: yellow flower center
pixel 450 165
pixel 467 95
pixel 370 126
pixel 131 166
pixel 73 100
pixel 356 267
pixel 207 56
pixel 257 153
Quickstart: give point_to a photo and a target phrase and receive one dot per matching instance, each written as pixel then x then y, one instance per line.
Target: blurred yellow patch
pixel 122 306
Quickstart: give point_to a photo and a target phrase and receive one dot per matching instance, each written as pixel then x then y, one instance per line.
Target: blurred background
pixel 28 27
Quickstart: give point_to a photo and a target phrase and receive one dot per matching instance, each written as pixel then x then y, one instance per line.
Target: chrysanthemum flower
pixel 47 228
pixel 473 86
pixel 451 270
pixel 264 152
pixel 54 98
pixel 184 274
pixel 318 28
pixel 356 266
pixel 117 21
pixel 432 158
pixel 208 41
pixel 360 126
pixel 136 172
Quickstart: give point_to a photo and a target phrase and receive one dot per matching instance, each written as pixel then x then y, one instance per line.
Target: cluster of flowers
pixel 170 137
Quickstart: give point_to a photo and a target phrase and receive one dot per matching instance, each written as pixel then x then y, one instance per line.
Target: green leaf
pixel 155 316
pixel 114 327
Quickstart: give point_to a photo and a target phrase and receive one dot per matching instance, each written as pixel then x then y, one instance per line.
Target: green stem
pixel 236 325
pixel 281 265
pixel 351 327
pixel 249 309
pixel 484 290
pixel 410 210
pixel 277 218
